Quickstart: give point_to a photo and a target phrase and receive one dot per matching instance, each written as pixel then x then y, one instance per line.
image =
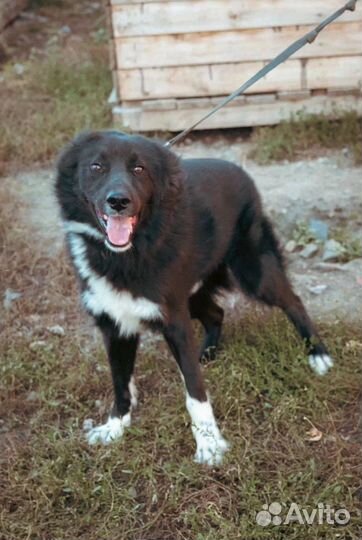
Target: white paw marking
pixel 320 363
pixel 210 444
pixel 112 430
pixel 133 392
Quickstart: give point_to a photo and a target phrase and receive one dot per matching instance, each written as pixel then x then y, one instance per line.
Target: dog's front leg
pixel 211 446
pixel 121 352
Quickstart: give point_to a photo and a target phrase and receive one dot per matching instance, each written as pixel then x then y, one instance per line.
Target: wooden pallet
pixel 258 110
pixel 167 53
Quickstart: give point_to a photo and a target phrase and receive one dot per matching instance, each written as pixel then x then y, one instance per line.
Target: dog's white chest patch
pixel 101 297
pixel 127 312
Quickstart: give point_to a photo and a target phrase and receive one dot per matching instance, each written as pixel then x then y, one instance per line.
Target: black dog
pixel 152 239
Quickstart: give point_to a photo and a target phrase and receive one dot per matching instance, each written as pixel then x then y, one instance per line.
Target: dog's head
pixel 115 181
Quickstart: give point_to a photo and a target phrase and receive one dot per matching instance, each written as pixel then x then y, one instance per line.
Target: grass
pixel 293 139
pixel 56 99
pixel 352 246
pixel 146 487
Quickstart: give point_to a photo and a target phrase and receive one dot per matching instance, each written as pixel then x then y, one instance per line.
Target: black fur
pixel 198 220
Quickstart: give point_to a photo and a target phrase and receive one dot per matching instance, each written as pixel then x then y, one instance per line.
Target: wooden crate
pixel 173 60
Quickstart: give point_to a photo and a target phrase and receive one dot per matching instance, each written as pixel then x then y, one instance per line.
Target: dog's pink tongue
pixel 119 230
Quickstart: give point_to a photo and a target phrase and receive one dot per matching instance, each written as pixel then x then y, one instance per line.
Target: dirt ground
pixel 327 188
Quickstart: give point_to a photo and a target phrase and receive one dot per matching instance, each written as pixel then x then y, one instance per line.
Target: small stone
pixel 101 369
pixel 309 251
pixel 132 492
pixel 9 297
pixel 333 250
pixel 319 229
pixel 38 344
pixel 88 424
pixel 317 289
pixel 19 69
pixel 290 246
pixel 98 403
pixel 330 267
pixel 34 318
pixel 32 396
pixel 65 30
pixel 57 330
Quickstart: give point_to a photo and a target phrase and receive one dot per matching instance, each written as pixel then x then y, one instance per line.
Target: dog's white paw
pixel 211 446
pixel 112 430
pixel 320 363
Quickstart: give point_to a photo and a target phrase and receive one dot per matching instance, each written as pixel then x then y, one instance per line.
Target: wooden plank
pixel 197 81
pixel 244 46
pixel 158 18
pixel 334 72
pixel 159 105
pixel 294 96
pixel 342 91
pixel 136 119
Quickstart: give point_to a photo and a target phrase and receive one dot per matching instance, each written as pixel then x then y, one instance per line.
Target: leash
pixel 294 47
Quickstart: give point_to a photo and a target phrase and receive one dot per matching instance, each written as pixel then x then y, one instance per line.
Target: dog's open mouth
pixel 119 229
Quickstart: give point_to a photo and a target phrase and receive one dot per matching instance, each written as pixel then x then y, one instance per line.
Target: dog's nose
pixel 117 201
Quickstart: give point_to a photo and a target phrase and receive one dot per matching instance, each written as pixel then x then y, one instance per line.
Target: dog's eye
pixel 138 169
pixel 96 167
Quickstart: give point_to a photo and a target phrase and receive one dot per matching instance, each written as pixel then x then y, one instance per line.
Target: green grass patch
pixel 57 98
pixel 292 139
pixel 352 246
pixel 146 487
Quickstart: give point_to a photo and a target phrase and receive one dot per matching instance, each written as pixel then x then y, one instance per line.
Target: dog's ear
pixel 67 188
pixel 171 173
pixel 68 160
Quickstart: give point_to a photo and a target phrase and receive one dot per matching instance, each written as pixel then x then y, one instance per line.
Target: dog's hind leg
pixel 210 444
pixel 121 355
pixel 204 308
pixel 259 269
